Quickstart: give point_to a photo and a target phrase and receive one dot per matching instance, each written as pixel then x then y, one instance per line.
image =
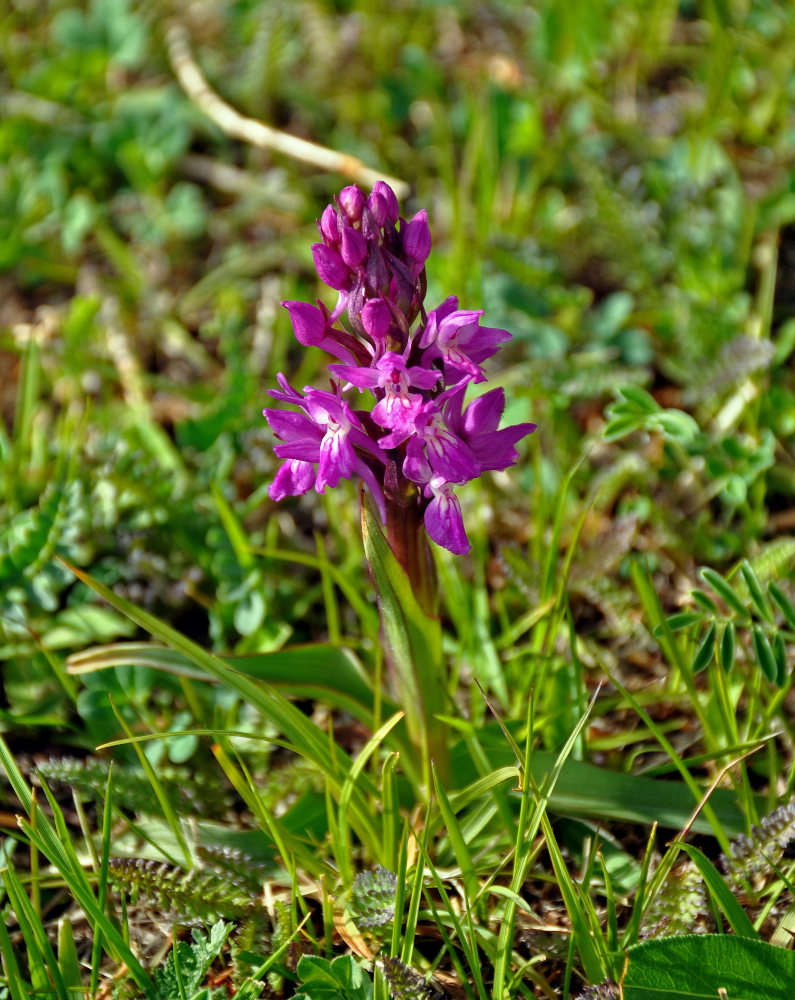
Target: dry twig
pixel 257 133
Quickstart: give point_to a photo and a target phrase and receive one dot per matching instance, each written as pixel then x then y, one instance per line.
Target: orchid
pixel 417 440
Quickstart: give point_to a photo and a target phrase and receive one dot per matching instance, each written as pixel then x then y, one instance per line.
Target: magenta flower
pixel 328 434
pixel 397 408
pixel 443 519
pixel 477 426
pixel 454 335
pixel 418 439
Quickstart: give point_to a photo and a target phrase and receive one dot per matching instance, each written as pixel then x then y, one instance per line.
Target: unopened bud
pixel 354 246
pixel 383 190
pixel 352 202
pixel 330 225
pixel 376 318
pixel 378 209
pixel 330 267
pixel 309 322
pixel 416 239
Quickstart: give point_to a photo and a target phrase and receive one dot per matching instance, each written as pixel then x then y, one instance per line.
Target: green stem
pixel 415 664
pixel 405 532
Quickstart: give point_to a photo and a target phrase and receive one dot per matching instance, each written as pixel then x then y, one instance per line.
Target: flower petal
pixel 445 523
pixel 292 479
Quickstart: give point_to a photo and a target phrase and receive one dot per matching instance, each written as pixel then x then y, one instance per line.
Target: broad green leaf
pixel 583 789
pixel 321 672
pixel 700 966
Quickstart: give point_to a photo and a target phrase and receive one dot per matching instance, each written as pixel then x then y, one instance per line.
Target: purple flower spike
pixel 418 439
pixel 330 267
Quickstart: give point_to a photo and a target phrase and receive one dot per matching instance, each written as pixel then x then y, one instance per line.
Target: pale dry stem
pixel 257 133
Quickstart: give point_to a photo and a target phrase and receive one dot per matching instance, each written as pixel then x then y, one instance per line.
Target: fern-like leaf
pixel 607 990
pixel 680 904
pixel 230 861
pixel 751 856
pixel 199 894
pixel 373 897
pixel 405 983
pixel 131 788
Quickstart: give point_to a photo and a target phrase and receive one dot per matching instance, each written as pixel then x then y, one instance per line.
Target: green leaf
pixel 679 621
pixel 621 426
pixel 755 593
pixel 187 964
pixel 458 842
pixel 53 840
pixel 317 671
pixel 68 961
pixel 780 654
pixel 584 789
pixel 723 590
pixel 700 966
pixel 675 425
pixel 728 646
pixel 341 979
pixel 784 604
pixel 704 601
pixel 642 399
pixel 764 654
pixel 705 651
pixel 250 613
pixel 306 737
